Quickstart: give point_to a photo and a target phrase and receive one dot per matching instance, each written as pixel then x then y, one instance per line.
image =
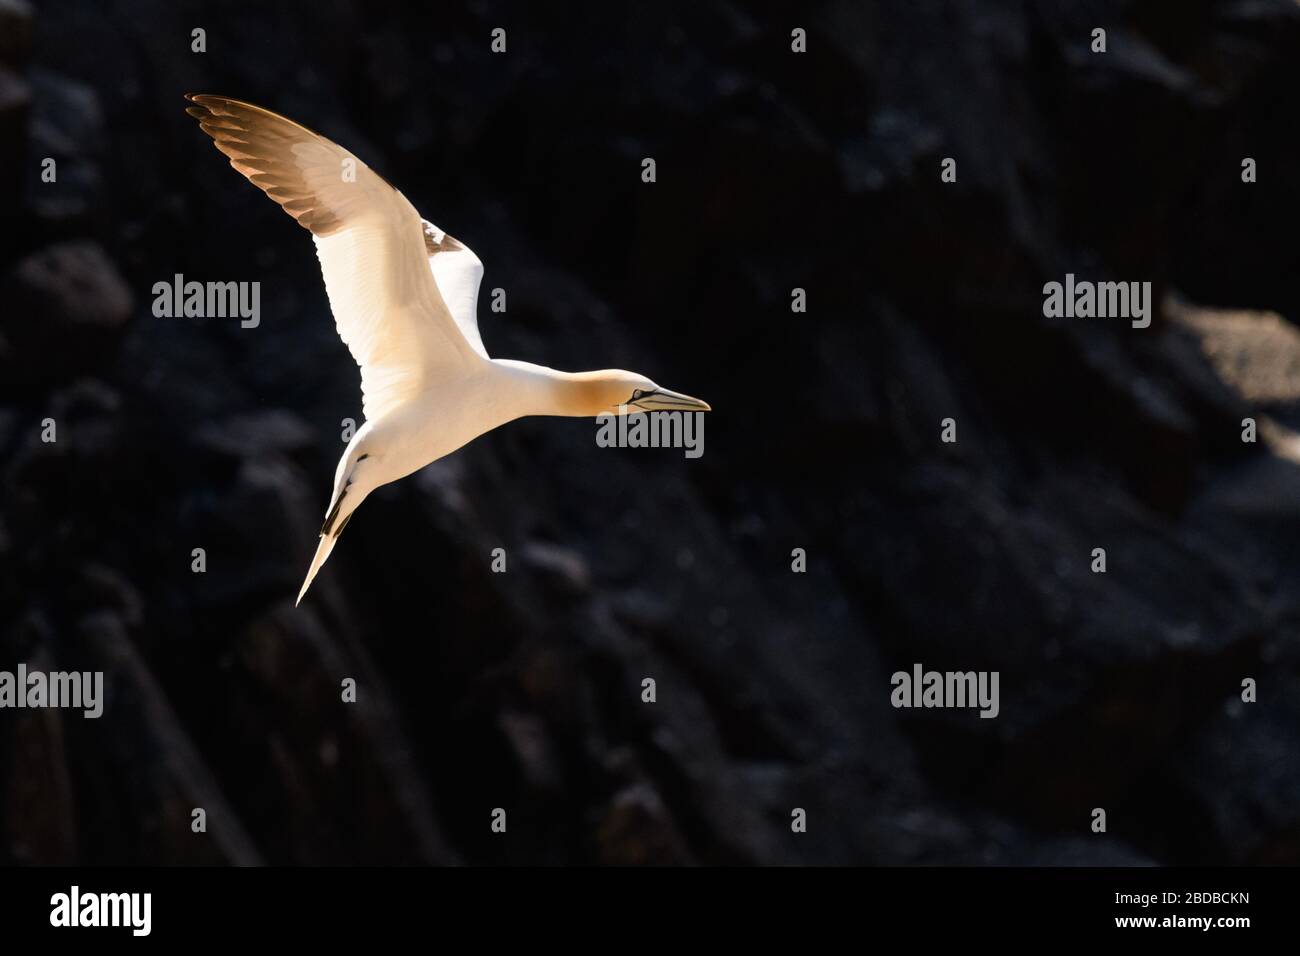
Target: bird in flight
pixel 404 296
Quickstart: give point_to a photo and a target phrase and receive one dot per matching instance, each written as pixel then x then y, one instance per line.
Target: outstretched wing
pixel 370 242
pixel 458 273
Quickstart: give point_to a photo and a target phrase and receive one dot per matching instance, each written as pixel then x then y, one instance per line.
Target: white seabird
pixel 404 296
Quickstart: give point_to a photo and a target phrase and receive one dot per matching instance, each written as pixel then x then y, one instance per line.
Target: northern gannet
pixel 404 296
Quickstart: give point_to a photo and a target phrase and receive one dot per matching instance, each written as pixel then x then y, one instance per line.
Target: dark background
pixel 775 170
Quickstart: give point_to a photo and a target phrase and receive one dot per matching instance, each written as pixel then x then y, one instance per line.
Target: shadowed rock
pixel 67 307
pixel 524 689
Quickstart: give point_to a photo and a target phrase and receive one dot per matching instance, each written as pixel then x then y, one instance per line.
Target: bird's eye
pixel 636 394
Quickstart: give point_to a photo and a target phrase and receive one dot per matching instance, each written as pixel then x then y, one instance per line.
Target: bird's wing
pixel 458 273
pixel 370 242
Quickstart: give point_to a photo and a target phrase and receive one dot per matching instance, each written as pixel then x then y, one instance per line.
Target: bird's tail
pixel 349 484
pixel 322 553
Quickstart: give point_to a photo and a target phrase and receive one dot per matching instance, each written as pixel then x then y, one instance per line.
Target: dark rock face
pixel 525 690
pixel 68 307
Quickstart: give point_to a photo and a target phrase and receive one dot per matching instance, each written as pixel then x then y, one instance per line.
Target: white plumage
pixel 404 296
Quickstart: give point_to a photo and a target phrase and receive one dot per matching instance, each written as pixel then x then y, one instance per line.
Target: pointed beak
pixel 663 400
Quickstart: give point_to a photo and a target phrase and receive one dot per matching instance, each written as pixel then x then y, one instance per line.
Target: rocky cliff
pixel 522 690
